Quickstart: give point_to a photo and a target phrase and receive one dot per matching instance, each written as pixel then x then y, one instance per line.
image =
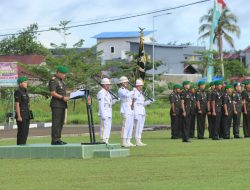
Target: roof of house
pixel 25 59
pixel 128 34
pixel 247 50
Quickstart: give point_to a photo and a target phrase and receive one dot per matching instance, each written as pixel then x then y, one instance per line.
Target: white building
pixel 115 45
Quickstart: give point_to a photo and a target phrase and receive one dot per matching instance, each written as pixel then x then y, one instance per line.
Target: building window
pixel 112 49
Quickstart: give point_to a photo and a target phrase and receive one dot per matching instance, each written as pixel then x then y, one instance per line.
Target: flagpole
pixel 153 86
pixel 153 57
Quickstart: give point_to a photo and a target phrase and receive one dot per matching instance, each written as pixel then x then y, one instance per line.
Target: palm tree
pixel 227 25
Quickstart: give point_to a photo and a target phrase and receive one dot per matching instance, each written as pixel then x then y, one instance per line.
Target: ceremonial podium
pixel 81 150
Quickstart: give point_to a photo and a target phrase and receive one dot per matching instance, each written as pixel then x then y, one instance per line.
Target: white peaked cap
pixel 123 79
pixel 139 82
pixel 105 81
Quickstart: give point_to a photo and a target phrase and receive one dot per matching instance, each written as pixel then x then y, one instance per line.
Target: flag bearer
pixel 139 111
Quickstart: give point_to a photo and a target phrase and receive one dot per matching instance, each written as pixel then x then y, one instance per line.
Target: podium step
pixel 58 151
pixel 112 153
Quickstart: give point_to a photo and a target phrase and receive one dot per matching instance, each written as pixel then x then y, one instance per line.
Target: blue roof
pixel 129 34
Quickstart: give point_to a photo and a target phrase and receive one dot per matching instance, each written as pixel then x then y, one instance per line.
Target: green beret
pixel 228 86
pixel 62 69
pixel 22 79
pixel 177 86
pixel 201 83
pixel 247 82
pixel 186 82
pixel 192 86
pixel 218 82
pixel 211 83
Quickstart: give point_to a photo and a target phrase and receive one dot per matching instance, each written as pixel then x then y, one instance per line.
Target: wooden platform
pixel 63 151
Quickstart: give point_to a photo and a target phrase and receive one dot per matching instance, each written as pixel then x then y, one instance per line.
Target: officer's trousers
pixel 175 126
pixel 201 120
pixel 236 124
pixel 226 123
pixel 185 127
pixel 139 125
pixel 58 116
pixel 127 126
pixel 216 125
pixel 192 126
pixel 246 125
pixel 105 128
pixel 210 124
pixel 22 131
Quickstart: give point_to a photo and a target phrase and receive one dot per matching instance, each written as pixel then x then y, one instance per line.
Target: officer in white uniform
pixel 139 111
pixel 105 110
pixel 126 111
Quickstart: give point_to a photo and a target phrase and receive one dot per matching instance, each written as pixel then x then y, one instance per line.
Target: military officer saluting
pixel 127 112
pixel 22 110
pixel 246 109
pixel 227 112
pixel 175 116
pixel 185 110
pixel 58 104
pixel 201 102
pixel 216 99
pixel 139 111
pixel 237 106
pixel 105 102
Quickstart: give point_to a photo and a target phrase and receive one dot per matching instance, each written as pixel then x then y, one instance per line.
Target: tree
pixel 25 43
pixel 227 26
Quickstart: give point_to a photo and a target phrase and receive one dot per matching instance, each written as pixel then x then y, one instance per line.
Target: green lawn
pixel 163 164
pixel 157 113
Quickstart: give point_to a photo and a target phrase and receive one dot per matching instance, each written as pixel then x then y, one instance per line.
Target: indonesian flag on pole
pixel 219 6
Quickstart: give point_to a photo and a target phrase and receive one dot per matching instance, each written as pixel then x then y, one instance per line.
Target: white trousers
pixel 139 125
pixel 105 128
pixel 127 126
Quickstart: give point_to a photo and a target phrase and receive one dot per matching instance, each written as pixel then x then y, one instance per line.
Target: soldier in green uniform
pixel 185 111
pixel 22 110
pixel 192 111
pixel 216 99
pixel 237 104
pixel 174 99
pixel 58 104
pixel 246 109
pixel 201 102
pixel 209 108
pixel 227 112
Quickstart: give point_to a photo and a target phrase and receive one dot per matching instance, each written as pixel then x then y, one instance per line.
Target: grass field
pixel 164 164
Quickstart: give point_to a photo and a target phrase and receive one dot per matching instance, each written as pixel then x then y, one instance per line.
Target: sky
pixel 181 26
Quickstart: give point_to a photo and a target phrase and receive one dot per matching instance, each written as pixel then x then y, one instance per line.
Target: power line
pixel 114 19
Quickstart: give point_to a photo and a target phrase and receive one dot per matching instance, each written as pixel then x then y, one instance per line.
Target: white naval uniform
pixel 105 114
pixel 126 112
pixel 139 112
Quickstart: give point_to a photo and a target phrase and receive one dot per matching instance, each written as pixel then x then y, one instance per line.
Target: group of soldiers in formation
pixel 132 109
pixel 219 104
pixel 222 104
